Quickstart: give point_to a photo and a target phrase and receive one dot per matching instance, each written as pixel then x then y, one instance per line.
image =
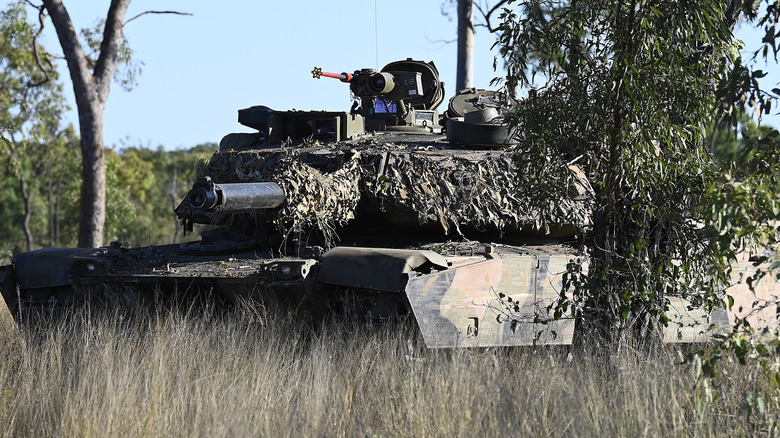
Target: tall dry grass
pixel 242 375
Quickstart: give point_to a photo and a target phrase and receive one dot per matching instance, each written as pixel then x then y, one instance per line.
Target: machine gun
pixel 403 95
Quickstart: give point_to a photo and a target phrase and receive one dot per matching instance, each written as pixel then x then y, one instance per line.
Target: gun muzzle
pixel 343 77
pixel 205 195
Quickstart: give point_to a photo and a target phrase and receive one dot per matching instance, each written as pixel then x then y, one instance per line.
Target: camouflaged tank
pixel 387 210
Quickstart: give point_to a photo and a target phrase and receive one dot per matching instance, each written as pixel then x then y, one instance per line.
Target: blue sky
pixel 199 70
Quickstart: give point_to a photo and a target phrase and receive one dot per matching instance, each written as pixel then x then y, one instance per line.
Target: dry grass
pixel 240 375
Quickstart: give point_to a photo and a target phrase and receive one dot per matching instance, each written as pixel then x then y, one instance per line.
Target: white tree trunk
pixel 465 73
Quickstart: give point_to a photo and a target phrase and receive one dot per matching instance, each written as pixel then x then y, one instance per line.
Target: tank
pixel 387 210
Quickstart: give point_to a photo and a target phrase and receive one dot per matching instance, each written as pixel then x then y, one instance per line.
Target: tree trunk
pixel 92 215
pixel 55 193
pixel 57 212
pixel 173 204
pixel 465 73
pixel 91 91
pixel 51 209
pixel 27 211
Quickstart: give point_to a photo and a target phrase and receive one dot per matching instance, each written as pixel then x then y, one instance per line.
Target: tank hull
pixel 473 295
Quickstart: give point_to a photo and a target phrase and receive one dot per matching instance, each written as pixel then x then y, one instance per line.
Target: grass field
pixel 242 375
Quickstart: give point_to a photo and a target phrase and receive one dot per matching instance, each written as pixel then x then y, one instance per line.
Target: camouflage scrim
pixel 422 182
pixel 316 198
pixel 475 188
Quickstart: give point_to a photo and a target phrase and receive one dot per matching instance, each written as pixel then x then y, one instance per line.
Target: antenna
pixel 376 36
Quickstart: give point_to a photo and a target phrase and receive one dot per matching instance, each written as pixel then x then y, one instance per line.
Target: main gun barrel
pixel 208 196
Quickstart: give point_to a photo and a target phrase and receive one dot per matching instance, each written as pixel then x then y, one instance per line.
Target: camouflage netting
pixel 452 187
pixel 315 199
pixel 481 189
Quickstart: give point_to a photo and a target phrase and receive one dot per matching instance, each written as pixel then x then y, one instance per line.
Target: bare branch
pixel 487 13
pixel 155 12
pixel 41 20
pixel 442 42
pixel 109 47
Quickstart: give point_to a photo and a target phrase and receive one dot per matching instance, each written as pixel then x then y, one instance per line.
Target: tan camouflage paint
pixel 688 324
pixel 460 307
pixel 760 306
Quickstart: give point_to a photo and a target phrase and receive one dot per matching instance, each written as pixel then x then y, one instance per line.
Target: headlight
pixel 88 267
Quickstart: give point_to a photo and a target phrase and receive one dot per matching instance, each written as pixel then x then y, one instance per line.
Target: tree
pixel 465 70
pixel 31 105
pixel 91 78
pixel 629 89
pixel 91 85
pixel 466 29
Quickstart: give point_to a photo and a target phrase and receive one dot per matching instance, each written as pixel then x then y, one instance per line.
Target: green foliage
pixel 627 94
pixel 31 104
pixel 628 90
pixel 30 99
pixel 54 192
pixel 739 85
pixel 742 207
pixel 128 69
pixel 742 204
pixel 144 187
